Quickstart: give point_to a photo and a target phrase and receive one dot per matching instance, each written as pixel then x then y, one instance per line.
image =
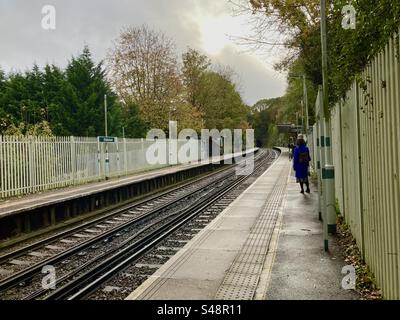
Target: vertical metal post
pixel 125 157
pixel 105 116
pixel 317 154
pixel 118 157
pixel 107 161
pixel 31 163
pixel 328 171
pixel 73 160
pixel 98 158
pixel 325 104
pixel 107 167
pixel 322 140
pixel 329 176
pixel 306 101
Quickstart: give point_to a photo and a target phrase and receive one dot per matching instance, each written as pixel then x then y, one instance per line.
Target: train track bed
pixel 87 253
pixel 20 257
pixel 126 281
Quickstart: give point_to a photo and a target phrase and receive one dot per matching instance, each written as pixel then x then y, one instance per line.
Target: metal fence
pixel 34 164
pixel 366 150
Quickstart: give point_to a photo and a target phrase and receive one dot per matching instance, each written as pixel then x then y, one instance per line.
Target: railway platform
pixel 41 212
pixel 267 244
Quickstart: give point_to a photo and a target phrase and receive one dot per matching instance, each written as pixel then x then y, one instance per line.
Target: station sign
pixel 106 139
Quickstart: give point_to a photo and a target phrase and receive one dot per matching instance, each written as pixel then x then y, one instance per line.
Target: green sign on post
pixel 107 139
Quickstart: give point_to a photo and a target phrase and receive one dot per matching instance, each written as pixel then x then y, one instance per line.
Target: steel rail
pixel 123 258
pixel 31 271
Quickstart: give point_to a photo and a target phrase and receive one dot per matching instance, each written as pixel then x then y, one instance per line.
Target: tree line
pixel 296 26
pixel 145 83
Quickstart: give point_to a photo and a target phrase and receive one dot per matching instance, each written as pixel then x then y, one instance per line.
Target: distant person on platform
pixel 291 150
pixel 301 163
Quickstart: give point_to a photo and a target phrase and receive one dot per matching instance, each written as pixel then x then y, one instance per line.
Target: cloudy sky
pixel 206 25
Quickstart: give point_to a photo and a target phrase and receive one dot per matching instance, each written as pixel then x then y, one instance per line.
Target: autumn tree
pixel 194 67
pixel 144 71
pixel 296 25
pixel 221 103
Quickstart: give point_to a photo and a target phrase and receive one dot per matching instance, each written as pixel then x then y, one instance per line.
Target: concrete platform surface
pixel 224 260
pixel 266 245
pixel 302 270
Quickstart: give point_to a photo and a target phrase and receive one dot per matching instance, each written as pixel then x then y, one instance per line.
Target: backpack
pixel 304 158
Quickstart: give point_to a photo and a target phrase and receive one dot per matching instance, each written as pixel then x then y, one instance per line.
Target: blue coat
pixel 301 161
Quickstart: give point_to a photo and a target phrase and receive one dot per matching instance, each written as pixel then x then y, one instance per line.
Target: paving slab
pixel 248 254
pixel 301 269
pixel 203 266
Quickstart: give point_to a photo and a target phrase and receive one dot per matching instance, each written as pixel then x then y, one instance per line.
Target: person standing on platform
pixel 291 150
pixel 301 163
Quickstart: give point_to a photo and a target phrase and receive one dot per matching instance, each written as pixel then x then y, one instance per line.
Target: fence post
pixel 73 159
pixel 360 175
pixel 125 157
pixel 107 162
pixel 31 169
pixel 98 158
pixel 118 164
pixel 143 152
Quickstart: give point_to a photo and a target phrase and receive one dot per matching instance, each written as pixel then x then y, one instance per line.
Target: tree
pixel 54 101
pixel 144 71
pixel 220 103
pixel 194 67
pixel 265 115
pixel 348 50
pixel 88 85
pixel 21 99
pixel 132 123
pixel 60 100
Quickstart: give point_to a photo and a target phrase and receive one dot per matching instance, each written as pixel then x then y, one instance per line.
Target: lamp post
pixel 105 116
pixel 107 160
pixel 328 170
pixel 305 97
pixel 306 101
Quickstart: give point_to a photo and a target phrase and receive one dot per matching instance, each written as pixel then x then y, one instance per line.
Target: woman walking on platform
pixel 301 163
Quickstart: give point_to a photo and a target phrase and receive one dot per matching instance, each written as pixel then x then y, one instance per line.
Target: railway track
pixel 84 267
pixel 18 259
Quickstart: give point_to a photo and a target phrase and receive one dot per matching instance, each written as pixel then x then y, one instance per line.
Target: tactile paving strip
pixel 241 280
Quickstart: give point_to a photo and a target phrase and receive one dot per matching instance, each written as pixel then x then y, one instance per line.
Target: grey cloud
pixel 98 22
pixel 255 80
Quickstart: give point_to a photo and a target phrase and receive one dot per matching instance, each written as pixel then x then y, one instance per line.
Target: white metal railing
pixel 31 164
